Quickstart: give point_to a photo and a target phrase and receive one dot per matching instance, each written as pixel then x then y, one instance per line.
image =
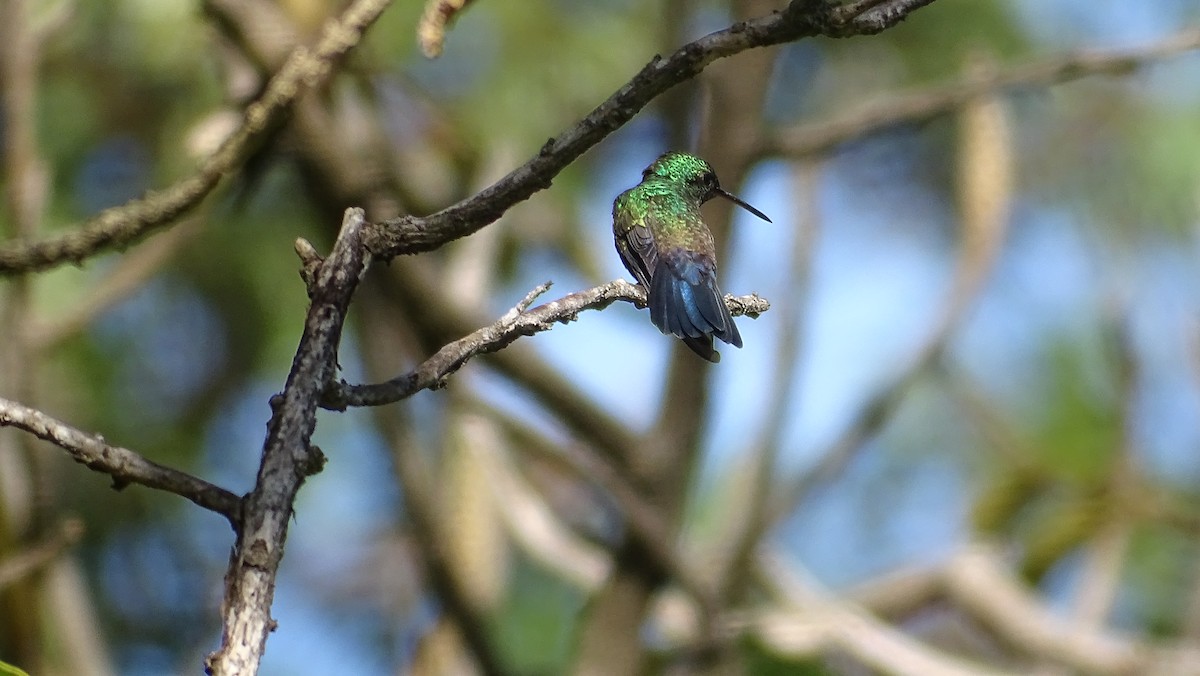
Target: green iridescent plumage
pixel 664 243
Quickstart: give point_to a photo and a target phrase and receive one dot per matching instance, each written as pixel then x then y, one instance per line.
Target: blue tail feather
pixel 684 301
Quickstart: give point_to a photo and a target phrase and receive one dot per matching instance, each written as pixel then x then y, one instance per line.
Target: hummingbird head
pixel 695 178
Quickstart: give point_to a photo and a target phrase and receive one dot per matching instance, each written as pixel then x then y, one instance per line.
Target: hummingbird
pixel 664 243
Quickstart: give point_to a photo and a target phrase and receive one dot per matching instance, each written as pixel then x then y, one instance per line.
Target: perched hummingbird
pixel 664 242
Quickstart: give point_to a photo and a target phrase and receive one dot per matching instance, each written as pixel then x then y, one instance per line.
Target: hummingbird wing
pixel 635 242
pixel 667 247
pixel 636 247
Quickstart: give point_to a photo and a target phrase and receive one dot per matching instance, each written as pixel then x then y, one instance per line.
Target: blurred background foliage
pixel 1064 401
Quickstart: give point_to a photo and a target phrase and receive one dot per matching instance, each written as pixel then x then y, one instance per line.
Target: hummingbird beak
pixel 738 201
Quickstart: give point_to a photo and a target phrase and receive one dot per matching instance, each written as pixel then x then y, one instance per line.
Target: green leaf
pixel 7 669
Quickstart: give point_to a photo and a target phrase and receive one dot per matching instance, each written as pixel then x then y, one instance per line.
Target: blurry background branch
pixel 812 622
pixel 430 529
pixel 976 581
pixel 984 188
pixel 805 619
pixel 129 275
pixel 21 564
pixel 122 225
pixel 890 112
pixel 748 528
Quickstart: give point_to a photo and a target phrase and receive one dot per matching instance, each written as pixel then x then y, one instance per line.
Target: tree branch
pixel 288 458
pixel 123 465
pixel 17 566
pixel 800 19
pixel 133 220
pixel 127 276
pixel 517 322
pixel 921 106
pixel 976 581
pixel 812 621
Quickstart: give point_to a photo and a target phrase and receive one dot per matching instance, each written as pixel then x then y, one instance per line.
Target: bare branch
pixel 813 622
pixel 123 465
pixel 288 458
pixel 129 275
pixel 17 566
pixel 432 373
pixel 975 580
pixel 440 322
pixel 129 222
pixel 917 107
pixel 978 583
pixel 800 19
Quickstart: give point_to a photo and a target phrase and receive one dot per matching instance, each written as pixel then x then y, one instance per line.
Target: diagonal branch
pixel 125 466
pixel 21 564
pixel 517 322
pixel 129 222
pixel 810 620
pixel 125 278
pixel 800 19
pixel 921 106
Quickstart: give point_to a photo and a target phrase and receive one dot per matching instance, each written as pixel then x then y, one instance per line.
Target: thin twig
pixel 432 373
pixel 123 465
pixel 438 322
pixel 133 220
